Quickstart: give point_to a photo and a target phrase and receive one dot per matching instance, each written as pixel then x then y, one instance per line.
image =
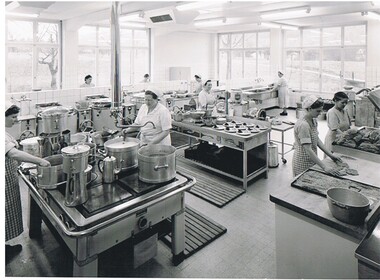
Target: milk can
pixel 272 155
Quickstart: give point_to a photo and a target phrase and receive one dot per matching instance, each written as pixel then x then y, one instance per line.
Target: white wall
pixel 70 57
pixel 183 49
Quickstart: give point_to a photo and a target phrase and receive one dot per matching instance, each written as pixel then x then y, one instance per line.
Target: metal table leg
pixel 245 170
pixel 178 237
pixel 34 219
pixel 84 265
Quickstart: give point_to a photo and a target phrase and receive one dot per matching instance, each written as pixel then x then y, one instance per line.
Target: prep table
pixel 310 242
pixel 113 213
pixel 245 144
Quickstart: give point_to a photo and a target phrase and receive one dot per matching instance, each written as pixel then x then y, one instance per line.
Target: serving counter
pixel 251 149
pixel 310 242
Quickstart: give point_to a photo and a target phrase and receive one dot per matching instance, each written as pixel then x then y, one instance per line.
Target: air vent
pixel 161 18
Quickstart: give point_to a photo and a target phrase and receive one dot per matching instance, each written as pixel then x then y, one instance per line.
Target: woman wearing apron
pixel 206 97
pixel 155 113
pixel 338 119
pixel 13 210
pixel 283 92
pixel 307 140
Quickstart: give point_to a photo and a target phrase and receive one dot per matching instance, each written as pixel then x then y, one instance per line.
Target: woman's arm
pixel 25 157
pixel 314 157
pixel 326 151
pixel 160 136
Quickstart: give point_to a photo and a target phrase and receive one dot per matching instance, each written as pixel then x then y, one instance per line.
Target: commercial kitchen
pixel 192 139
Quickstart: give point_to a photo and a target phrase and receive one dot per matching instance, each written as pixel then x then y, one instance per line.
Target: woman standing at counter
pixel 307 140
pixel 198 84
pixel 13 210
pixel 206 97
pixel 156 113
pixel 338 119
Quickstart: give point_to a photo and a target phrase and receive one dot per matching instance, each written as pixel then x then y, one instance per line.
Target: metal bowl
pixel 197 114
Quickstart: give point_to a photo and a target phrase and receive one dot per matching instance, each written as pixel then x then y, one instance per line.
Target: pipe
pixel 115 55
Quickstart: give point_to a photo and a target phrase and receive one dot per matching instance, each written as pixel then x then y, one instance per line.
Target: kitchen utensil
pixel 31 146
pixel 124 150
pixel 197 115
pixel 54 119
pixel 51 176
pixel 272 155
pixel 110 169
pixel 156 163
pixel 347 205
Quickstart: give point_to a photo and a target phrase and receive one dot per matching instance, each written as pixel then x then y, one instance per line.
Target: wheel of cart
pixel 284 161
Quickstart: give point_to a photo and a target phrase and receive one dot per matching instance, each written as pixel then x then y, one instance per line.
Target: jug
pixel 110 169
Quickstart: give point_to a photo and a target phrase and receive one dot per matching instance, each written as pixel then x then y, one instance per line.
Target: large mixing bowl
pixel 197 115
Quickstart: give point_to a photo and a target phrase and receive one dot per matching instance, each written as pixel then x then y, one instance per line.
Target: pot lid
pixel 32 140
pixel 54 111
pixel 75 150
pixel 122 145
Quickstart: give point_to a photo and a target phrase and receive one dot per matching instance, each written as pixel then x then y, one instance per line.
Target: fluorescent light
pixel 289 27
pixel 270 24
pixel 194 5
pixel 291 12
pixel 22 15
pixel 133 24
pixel 12 5
pixel 210 22
pixel 132 16
pixel 371 15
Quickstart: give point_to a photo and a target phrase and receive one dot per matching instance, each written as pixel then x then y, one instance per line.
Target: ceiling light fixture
pixel 132 16
pixel 195 5
pixel 290 12
pixel 22 15
pixel 132 24
pixel 277 25
pixel 371 15
pixel 211 22
pixel 12 5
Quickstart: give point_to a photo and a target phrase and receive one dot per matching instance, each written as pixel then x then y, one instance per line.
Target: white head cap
pixel 156 92
pixel 308 101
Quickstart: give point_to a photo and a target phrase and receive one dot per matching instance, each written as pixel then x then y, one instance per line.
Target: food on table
pixel 366 139
pixel 352 172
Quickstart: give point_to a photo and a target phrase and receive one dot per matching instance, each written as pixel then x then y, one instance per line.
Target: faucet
pixel 136 126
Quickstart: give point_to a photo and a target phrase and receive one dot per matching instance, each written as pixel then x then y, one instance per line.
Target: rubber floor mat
pixel 199 231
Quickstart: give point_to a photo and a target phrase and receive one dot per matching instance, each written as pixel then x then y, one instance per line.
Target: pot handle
pixel 100 169
pixel 355 188
pixel 102 152
pixel 161 166
pixel 340 205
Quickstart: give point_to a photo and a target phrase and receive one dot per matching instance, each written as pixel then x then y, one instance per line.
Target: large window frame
pixel 323 75
pixel 35 46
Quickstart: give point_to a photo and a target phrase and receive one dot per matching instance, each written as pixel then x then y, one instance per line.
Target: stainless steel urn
pixel 272 155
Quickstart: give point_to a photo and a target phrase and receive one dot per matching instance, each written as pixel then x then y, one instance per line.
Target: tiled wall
pixel 163 86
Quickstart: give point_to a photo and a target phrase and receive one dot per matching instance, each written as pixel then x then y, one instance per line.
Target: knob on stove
pixel 142 223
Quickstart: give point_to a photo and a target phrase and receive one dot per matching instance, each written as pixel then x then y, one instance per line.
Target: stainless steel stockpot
pixel 52 176
pixel 54 120
pixel 124 150
pixel 31 146
pixel 156 163
pixel 75 158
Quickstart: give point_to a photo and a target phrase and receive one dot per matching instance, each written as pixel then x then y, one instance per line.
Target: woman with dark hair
pixel 206 97
pixel 88 81
pixel 338 119
pixel 13 214
pixel 146 79
pixel 306 140
pixel 198 84
pixel 155 113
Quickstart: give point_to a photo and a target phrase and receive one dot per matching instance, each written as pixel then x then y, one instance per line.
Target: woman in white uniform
pixel 198 84
pixel 88 81
pixel 282 87
pixel 338 119
pixel 206 97
pixel 159 115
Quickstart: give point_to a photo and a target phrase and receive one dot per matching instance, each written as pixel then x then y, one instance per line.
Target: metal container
pixel 110 169
pixel 88 173
pixel 157 163
pixel 75 158
pixel 100 137
pixel 77 138
pixel 52 176
pixel 272 155
pixel 347 205
pixel 72 120
pixel 54 120
pixel 31 146
pixel 124 150
pixel 92 153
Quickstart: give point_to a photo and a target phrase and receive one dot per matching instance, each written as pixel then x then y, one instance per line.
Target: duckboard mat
pixel 199 231
pixel 209 189
pixel 319 182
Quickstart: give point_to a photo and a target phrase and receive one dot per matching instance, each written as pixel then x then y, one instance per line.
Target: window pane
pixel 141 64
pixel 125 37
pixel 104 37
pixel 125 67
pixel 311 37
pixel 47 68
pixel 20 31
pixel 223 65
pixel 224 41
pixel 236 40
pixel 292 38
pixel 332 36
pixel 87 35
pixel 19 69
pixel 47 32
pixel 104 70
pixel 354 66
pixel 250 64
pixel 263 59
pixel 293 68
pixel 141 38
pixel 263 39
pixel 86 65
pixel 331 69
pixel 236 64
pixel 250 40
pixel 310 73
pixel 355 35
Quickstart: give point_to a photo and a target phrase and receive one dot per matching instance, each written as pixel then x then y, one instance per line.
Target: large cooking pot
pixel 100 137
pixel 124 150
pixel 347 205
pixel 52 176
pixel 54 119
pixel 75 158
pixel 156 163
pixel 31 146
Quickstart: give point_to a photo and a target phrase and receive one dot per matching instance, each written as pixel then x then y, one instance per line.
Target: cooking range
pixel 113 213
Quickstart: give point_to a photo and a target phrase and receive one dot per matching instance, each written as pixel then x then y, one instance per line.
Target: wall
pixel 183 49
pixel 373 54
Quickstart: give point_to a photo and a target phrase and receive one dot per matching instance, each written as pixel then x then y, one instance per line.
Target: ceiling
pixel 240 15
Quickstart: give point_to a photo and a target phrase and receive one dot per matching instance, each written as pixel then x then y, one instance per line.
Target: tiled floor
pixel 247 250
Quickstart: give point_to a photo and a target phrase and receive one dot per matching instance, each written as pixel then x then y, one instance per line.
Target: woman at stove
pixel 155 120
pixel 13 210
pixel 306 140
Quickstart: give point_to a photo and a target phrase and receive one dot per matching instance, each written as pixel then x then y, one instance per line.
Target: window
pixel 244 55
pixel 32 55
pixel 325 59
pixel 95 54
